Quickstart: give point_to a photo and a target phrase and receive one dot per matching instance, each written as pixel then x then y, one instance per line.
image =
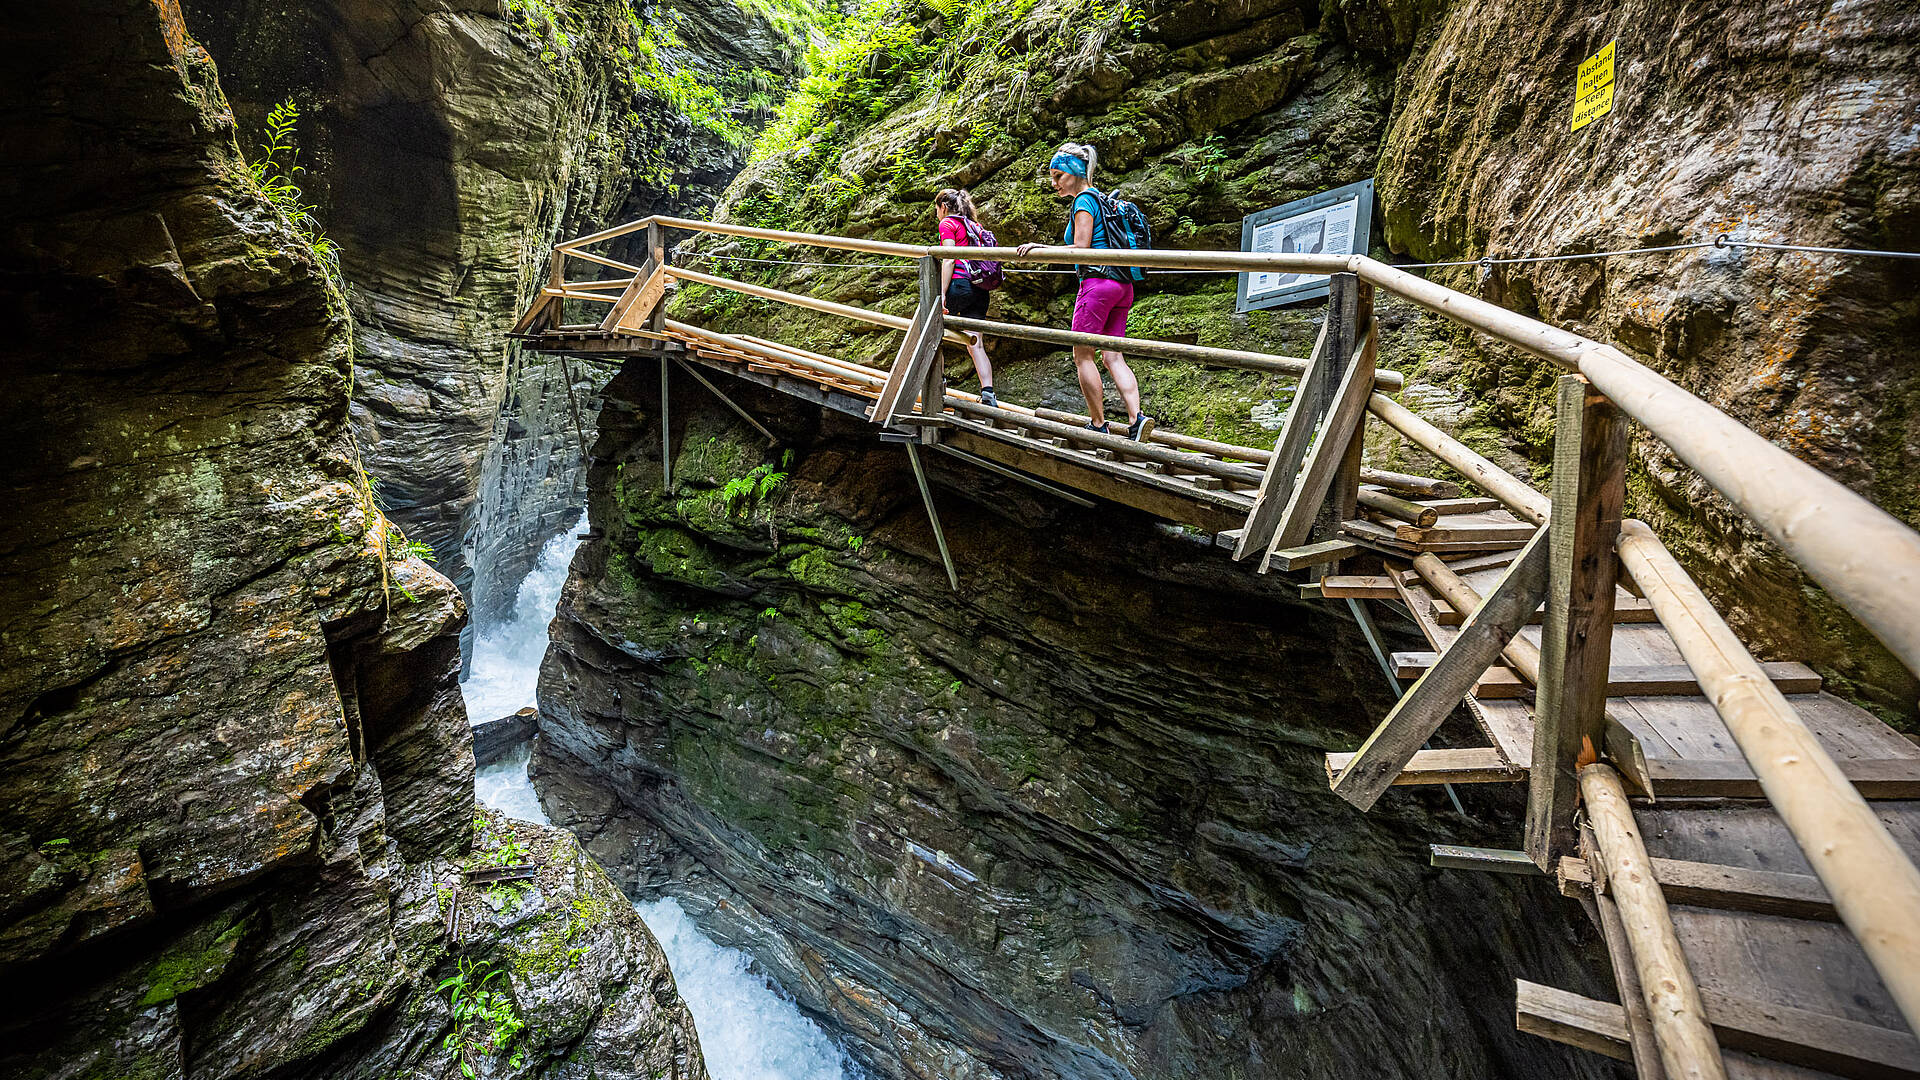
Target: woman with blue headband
pixel 1106 293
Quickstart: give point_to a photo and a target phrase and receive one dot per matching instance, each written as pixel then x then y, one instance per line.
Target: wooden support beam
pixel 1326 551
pixel 1352 587
pixel 1283 464
pixel 1829 1044
pixel 1728 888
pixel 931 387
pixel 1155 495
pixel 933 516
pixel 1413 513
pixel 1873 778
pixel 1687 1046
pixel 1410 484
pixel 772 440
pixel 828 307
pixel 1458 765
pixel 1491 860
pixel 1645 1048
pixel 1874 885
pixel 1079 436
pixel 657 252
pixel 1417 715
pixel 1344 489
pixel 1573 1019
pixel 1525 502
pixel 1328 456
pixel 666 433
pixel 1623 680
pixel 636 307
pixel 1626 609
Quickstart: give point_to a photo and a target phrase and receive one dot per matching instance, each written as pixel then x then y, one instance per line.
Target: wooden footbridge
pixel 1745 842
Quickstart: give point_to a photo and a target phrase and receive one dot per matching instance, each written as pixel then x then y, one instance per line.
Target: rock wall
pixel 448 144
pixel 1784 122
pixel 236 779
pixel 1070 821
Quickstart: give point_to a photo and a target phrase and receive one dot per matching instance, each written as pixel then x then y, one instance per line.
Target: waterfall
pixel 748 1029
pixel 506 658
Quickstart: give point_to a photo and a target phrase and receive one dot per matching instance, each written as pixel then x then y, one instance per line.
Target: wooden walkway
pixel 1745 841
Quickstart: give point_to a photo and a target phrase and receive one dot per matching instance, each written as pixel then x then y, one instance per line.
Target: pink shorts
pixel 1102 306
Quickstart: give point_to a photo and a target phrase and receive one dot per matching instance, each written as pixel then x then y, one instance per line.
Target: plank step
pixel 1623 680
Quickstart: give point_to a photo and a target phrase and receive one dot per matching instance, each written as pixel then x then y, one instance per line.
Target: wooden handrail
pixel 828 307
pixel 1863 556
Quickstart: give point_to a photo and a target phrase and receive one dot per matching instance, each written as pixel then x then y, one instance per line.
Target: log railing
pixel 1864 557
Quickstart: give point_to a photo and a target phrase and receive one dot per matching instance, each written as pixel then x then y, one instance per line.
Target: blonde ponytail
pixel 1085 152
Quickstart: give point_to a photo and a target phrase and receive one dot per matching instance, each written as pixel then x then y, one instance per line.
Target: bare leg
pixel 982 366
pixel 1123 381
pixel 1090 384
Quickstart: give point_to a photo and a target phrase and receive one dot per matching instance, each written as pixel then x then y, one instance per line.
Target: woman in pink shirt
pixel 955 209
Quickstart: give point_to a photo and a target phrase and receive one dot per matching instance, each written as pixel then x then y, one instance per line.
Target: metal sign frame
pixel 1277 289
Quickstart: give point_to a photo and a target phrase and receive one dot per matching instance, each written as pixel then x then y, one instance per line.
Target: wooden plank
pixel 1283 465
pixel 1473 505
pixel 1875 887
pixel 1518 532
pixel 1416 716
pixel 1491 860
pixel 1327 456
pixel 1382 537
pixel 1326 551
pixel 1342 493
pixel 902 385
pixel 1814 1040
pixel 1882 778
pixel 1729 888
pixel 1627 609
pixel 1687 1046
pixel 1460 765
pixel 1573 1019
pixel 1129 487
pixel 1353 587
pixel 1636 680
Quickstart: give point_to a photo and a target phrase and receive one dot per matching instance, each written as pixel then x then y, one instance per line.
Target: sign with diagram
pixel 1593 88
pixel 1337 222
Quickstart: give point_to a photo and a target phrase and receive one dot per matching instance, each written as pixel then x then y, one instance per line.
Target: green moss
pixel 196 961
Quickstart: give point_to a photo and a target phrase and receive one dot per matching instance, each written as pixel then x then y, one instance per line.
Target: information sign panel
pixel 1337 222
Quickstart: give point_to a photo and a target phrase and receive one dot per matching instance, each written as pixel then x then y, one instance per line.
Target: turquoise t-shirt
pixel 1085 201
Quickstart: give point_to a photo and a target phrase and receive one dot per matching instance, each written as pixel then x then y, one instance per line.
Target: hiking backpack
pixel 985 274
pixel 1125 226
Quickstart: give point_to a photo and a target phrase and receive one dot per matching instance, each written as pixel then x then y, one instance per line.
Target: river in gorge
pixel 749 1029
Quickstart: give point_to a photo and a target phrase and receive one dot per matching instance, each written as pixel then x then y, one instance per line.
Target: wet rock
pixel 494 738
pixel 1069 821
pixel 234 762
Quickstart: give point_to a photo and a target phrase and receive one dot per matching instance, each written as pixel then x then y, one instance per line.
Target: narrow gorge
pixel 400 682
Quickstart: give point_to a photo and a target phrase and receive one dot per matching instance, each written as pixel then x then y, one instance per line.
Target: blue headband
pixel 1067 163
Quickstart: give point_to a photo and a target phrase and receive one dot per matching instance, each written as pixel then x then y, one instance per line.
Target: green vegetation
pixel 484 1019
pixel 273 171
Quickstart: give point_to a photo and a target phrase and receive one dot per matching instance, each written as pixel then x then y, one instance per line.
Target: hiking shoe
pixel 1140 428
pixel 987 398
pixel 1103 427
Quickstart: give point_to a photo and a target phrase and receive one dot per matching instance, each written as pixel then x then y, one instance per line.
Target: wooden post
pixel 1418 715
pixel 658 256
pixel 1875 887
pixel 1310 496
pixel 1354 299
pixel 933 389
pixel 1570 710
pixel 1343 496
pixel 1687 1046
pixel 666 433
pixel 1283 465
pixel 557 279
pixel 939 535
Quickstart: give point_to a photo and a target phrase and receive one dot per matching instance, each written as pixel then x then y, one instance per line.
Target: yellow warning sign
pixel 1593 90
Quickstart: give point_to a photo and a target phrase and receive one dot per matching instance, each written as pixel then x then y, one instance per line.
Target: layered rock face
pixel 448 144
pixel 1783 123
pixel 235 774
pixel 1070 821
pixel 1770 122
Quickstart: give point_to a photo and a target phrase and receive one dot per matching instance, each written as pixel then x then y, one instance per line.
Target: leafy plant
pixel 273 172
pixel 751 489
pixel 484 1019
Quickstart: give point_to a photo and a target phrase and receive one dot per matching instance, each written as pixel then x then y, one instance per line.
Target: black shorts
pixel 966 301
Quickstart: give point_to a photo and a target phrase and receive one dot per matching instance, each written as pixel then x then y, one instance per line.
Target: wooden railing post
pixel 1342 498
pixel 659 258
pixel 1570 711
pixel 933 387
pixel 557 279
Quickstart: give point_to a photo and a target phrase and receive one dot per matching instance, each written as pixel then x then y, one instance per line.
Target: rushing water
pixel 748 1029
pixel 506 657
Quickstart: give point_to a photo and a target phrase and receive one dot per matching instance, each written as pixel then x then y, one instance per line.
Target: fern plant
pixel 273 172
